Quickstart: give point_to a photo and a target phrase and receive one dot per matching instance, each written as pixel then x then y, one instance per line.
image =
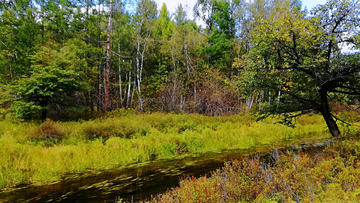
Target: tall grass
pixel 41 153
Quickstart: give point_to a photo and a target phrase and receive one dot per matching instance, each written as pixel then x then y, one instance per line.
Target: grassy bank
pixel 42 153
pixel 329 176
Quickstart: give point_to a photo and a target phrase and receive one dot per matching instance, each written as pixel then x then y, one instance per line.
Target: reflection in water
pixel 139 181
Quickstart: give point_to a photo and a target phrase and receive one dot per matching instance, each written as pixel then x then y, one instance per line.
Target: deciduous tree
pixel 301 56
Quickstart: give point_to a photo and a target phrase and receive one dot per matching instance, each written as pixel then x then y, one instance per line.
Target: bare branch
pixel 128 57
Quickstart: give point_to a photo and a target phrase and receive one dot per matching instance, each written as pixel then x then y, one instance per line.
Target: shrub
pixel 48 130
pixel 332 175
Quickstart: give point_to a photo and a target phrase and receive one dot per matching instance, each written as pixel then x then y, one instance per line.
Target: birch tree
pixel 143 22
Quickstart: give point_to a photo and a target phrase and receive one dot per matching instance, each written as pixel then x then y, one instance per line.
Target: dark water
pixel 139 181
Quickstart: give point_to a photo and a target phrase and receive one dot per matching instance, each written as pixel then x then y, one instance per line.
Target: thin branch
pixel 99 41
pixel 97 58
pixel 338 119
pixel 287 119
pixel 302 99
pixel 344 92
pixel 128 57
pixel 300 114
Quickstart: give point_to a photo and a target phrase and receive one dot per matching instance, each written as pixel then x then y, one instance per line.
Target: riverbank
pixel 42 154
pixel 332 175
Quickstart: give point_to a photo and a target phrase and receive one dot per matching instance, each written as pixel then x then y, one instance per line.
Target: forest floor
pixel 41 153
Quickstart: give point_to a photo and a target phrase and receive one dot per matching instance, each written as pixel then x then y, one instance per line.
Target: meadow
pixel 42 153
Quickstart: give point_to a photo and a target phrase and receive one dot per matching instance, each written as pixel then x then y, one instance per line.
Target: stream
pixel 138 181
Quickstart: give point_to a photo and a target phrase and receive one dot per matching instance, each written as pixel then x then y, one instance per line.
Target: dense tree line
pixel 95 55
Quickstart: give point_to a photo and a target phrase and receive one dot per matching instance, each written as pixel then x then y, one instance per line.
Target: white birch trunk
pixel 134 89
pixel 128 91
pixel 261 99
pixel 249 102
pixel 279 95
pixel 269 98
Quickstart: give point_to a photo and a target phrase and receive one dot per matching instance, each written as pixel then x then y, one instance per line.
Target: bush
pixel 329 176
pixel 25 110
pixel 48 130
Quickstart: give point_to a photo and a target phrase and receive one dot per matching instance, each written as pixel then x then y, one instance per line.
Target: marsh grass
pixel 42 153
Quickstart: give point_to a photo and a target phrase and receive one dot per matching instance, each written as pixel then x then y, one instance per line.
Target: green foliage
pixel 54 76
pixel 17 42
pixel 152 50
pixel 221 34
pixel 25 110
pixel 164 25
pixel 6 98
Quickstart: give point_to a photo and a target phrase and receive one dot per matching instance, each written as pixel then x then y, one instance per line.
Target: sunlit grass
pixel 39 154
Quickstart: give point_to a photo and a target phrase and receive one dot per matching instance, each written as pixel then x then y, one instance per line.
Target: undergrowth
pixel 33 153
pixel 329 176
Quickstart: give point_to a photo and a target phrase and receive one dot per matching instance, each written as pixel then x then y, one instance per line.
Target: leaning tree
pixel 302 57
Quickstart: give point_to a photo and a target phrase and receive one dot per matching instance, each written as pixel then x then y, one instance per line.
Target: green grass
pixel 40 154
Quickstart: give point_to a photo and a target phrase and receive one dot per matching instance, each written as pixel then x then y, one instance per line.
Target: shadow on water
pixel 137 182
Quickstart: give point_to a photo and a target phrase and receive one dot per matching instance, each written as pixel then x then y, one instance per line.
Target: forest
pixel 62 57
pixel 83 80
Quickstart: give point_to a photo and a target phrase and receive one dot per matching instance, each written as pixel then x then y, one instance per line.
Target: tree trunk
pixel 195 103
pixel 261 99
pixel 108 55
pixel 100 95
pixel 140 76
pixel 128 91
pixel 187 60
pixel 138 72
pixel 279 96
pixel 325 111
pixel 269 98
pixel 132 95
pixel 120 89
pixel 43 114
